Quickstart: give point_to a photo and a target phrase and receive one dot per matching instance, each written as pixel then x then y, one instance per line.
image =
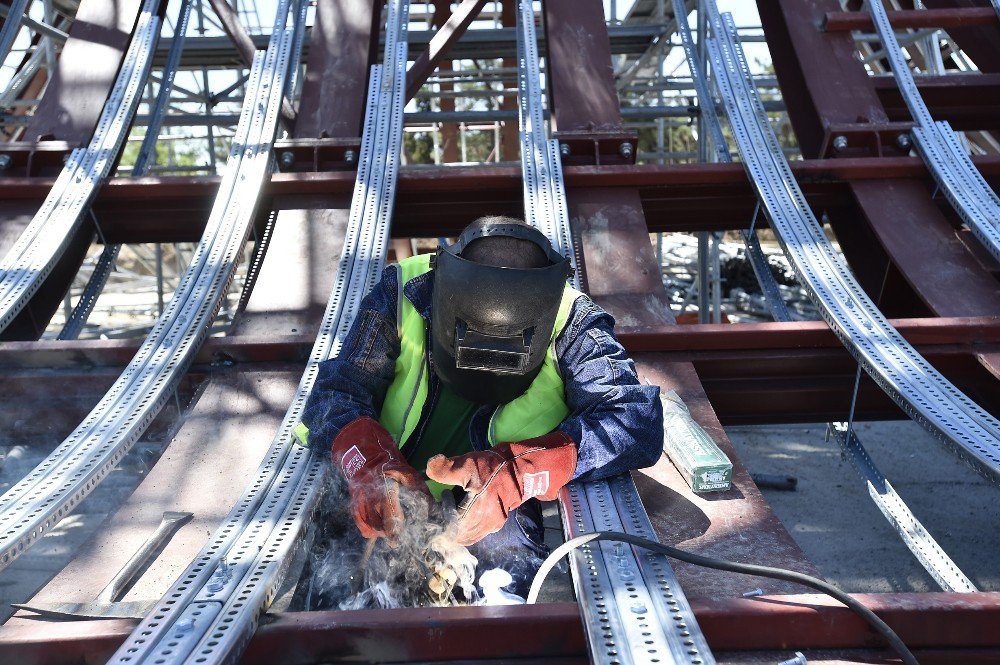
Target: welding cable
pixel 720 564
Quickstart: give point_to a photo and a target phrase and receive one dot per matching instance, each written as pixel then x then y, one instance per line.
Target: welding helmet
pixel 491 325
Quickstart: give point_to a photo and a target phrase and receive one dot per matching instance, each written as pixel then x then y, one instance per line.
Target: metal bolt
pixel 185 626
pixel 564 149
pixel 215 586
pixel 840 143
pixel 756 592
pixel 799 659
pixel 5 162
pixel 286 160
pixel 903 141
pixel 625 150
pixel 350 156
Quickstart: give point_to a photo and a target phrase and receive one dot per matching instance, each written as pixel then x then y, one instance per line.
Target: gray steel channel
pixel 111 130
pixel 919 389
pixel 79 464
pixel 106 263
pixel 706 104
pixel 633 608
pixel 930 555
pixel 11 27
pixel 32 257
pixel 935 560
pixel 210 613
pixel 964 187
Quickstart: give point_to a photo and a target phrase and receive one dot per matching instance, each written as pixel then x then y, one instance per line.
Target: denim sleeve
pixel 354 383
pixel 616 421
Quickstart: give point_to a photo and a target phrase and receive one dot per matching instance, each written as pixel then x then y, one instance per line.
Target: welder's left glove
pixel 501 479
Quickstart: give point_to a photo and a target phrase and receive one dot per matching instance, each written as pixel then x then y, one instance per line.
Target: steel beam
pixel 923 18
pixel 956 626
pixel 943 336
pixel 690 197
pixel 440 44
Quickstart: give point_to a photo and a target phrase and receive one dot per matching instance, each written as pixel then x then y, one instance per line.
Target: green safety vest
pixel 538 411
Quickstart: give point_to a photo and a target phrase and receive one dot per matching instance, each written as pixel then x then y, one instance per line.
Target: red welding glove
pixel 375 470
pixel 501 479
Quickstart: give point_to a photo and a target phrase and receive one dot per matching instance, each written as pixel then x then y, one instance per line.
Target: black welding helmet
pixel 492 325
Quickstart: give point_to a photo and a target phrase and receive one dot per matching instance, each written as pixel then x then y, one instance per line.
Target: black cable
pixel 720 564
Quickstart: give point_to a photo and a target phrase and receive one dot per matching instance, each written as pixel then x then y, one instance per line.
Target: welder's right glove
pixel 500 479
pixel 375 471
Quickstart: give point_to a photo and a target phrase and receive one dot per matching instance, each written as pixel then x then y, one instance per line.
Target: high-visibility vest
pixel 536 412
pixel 539 410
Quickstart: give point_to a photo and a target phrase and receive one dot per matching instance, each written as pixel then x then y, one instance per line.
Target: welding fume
pixel 474 383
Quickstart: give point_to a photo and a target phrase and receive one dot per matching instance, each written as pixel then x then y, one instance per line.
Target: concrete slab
pixel 833 519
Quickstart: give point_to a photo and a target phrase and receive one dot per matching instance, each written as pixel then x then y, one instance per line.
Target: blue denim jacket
pixel 616 422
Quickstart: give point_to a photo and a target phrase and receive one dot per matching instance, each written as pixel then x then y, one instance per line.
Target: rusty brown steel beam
pixel 439 201
pixel 967 335
pixel 910 18
pixel 967 101
pixel 345 39
pixel 962 624
pixel 476 178
pixel 978 42
pixel 440 43
pixel 750 377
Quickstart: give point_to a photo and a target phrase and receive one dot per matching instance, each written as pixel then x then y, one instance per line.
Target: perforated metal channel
pixel 633 609
pixel 934 559
pixel 105 264
pixel 964 187
pixel 925 549
pixel 233 578
pixel 919 389
pixel 113 426
pixel 31 258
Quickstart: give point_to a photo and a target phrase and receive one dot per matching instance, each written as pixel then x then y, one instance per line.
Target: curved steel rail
pixel 36 251
pixel 210 613
pixel 106 263
pixel 962 183
pixel 632 606
pixel 931 556
pixel 920 390
pixel 47 494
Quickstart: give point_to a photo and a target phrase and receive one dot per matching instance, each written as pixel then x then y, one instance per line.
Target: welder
pixel 478 370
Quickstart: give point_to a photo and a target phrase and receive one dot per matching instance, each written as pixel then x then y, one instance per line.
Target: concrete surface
pixel 835 521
